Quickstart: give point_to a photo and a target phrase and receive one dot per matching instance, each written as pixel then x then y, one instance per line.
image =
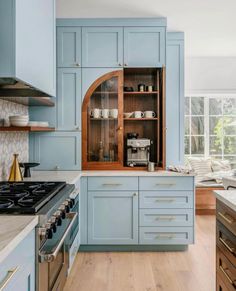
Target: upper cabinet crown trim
pixel 158 21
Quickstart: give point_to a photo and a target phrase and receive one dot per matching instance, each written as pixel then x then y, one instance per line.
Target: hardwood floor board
pixel 192 270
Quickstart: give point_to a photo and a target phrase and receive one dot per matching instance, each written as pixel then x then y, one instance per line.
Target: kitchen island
pixel 225 240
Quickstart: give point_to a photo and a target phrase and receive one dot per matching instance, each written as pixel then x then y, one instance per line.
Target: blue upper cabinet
pixel 69 99
pixel 175 99
pixel 144 46
pixel 27 43
pixel 69 47
pixel 102 47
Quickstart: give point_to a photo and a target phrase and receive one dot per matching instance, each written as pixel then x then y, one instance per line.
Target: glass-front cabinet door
pixel 102 123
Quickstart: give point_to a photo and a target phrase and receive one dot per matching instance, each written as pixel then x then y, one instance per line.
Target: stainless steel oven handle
pixel 49 257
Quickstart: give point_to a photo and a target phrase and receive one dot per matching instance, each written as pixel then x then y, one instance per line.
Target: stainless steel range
pixel 57 205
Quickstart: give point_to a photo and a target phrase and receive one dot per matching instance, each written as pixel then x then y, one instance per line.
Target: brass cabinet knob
pixel 120 128
pixel 77 64
pixel 135 194
pixel 126 65
pixel 120 64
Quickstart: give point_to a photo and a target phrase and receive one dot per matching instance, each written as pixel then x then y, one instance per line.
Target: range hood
pixel 27 49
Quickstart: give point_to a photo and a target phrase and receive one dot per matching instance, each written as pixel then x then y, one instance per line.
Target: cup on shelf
pixel 141 87
pixel 114 113
pixel 149 88
pixel 149 114
pixel 95 113
pixel 138 114
pixel 105 113
pixel 128 114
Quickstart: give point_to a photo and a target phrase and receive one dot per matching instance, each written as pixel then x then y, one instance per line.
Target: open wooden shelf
pixel 103 118
pixel 26 128
pixel 138 119
pixel 140 93
pixel 30 101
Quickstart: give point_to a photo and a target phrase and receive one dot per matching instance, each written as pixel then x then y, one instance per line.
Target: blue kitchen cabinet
pixel 102 46
pixel 175 99
pixel 112 217
pixel 144 46
pixel 69 47
pixel 56 151
pixel 20 264
pixel 68 99
pixel 27 43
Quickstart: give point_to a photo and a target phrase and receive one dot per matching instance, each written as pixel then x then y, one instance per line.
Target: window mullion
pixel 206 127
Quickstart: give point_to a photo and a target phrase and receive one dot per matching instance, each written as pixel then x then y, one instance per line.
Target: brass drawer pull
pixel 6 280
pixel 168 236
pixel 165 200
pixel 226 245
pixel 226 275
pixel 165 218
pixel 166 184
pixel 108 185
pixel 230 220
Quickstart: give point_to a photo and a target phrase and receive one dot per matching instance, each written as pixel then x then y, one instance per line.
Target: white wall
pixel 210 75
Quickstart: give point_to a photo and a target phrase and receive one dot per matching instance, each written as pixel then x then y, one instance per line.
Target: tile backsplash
pixel 12 142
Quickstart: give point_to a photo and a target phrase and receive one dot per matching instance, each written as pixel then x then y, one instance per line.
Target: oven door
pixel 53 257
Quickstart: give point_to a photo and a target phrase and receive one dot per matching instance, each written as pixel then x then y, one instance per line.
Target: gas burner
pixel 5 203
pixel 14 193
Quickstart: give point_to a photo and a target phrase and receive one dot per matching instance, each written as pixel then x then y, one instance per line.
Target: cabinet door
pixel 56 151
pixel 69 99
pixel 175 101
pixel 102 46
pixel 144 46
pixel 112 218
pixel 69 47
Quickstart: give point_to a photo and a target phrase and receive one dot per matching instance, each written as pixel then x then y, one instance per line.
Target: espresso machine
pixel 138 150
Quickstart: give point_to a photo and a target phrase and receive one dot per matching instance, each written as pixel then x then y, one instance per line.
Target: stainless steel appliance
pixel 138 151
pixel 56 204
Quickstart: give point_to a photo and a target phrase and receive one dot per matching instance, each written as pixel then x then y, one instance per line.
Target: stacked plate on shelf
pixel 39 123
pixel 19 120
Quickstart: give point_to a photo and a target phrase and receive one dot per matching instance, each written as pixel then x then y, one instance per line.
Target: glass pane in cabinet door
pixel 103 123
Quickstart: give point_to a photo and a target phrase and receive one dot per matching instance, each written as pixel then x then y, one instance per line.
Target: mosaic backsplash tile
pixel 12 142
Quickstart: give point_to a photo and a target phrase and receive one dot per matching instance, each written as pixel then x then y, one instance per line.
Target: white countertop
pixel 228 197
pixel 72 177
pixel 13 229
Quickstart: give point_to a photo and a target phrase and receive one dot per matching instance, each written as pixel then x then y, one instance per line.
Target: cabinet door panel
pixel 144 46
pixel 112 218
pixel 68 46
pixel 102 46
pixel 175 102
pixel 58 150
pixel 69 99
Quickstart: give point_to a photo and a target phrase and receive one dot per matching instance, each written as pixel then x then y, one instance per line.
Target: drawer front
pixel 226 242
pixel 166 183
pixel 23 255
pixel 220 285
pixel 167 199
pixel 112 183
pixel 225 270
pixel 226 216
pixel 165 235
pixel 166 217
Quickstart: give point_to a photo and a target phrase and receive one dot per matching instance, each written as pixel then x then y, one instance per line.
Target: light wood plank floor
pixel 192 270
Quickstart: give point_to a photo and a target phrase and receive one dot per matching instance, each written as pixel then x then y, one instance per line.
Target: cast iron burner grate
pixel 27 197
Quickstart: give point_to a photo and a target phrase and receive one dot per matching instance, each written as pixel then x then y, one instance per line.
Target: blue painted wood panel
pixel 113 183
pixel 69 47
pixel 144 46
pixel 57 150
pixel 83 210
pixel 112 218
pixel 166 235
pixel 23 257
pixel 69 99
pixel 102 46
pixel 175 99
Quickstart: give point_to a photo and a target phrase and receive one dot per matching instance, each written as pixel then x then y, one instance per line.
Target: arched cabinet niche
pixel 102 124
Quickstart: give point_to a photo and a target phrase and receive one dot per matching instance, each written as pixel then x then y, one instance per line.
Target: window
pixel 210 127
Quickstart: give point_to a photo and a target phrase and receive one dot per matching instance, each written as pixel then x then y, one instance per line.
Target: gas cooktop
pixel 27 197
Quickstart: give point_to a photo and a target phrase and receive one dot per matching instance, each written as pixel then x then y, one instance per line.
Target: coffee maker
pixel 138 150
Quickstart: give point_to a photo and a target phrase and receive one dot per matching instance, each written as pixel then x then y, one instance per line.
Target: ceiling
pixel 209 25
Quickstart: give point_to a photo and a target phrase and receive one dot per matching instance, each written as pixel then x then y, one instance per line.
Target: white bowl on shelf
pixel 19 122
pixel 39 123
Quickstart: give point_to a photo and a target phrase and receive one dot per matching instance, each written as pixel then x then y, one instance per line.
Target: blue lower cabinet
pixel 56 151
pixel 20 264
pixel 112 218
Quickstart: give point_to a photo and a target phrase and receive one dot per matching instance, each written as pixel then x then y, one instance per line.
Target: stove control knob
pixel 49 233
pixel 71 202
pixel 67 206
pixel 57 216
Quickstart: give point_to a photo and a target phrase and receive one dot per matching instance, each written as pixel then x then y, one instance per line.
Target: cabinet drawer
pixel 165 235
pixel 220 285
pixel 226 216
pixel 166 217
pixel 225 270
pixel 167 199
pixel 226 242
pixel 112 183
pixel 166 183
